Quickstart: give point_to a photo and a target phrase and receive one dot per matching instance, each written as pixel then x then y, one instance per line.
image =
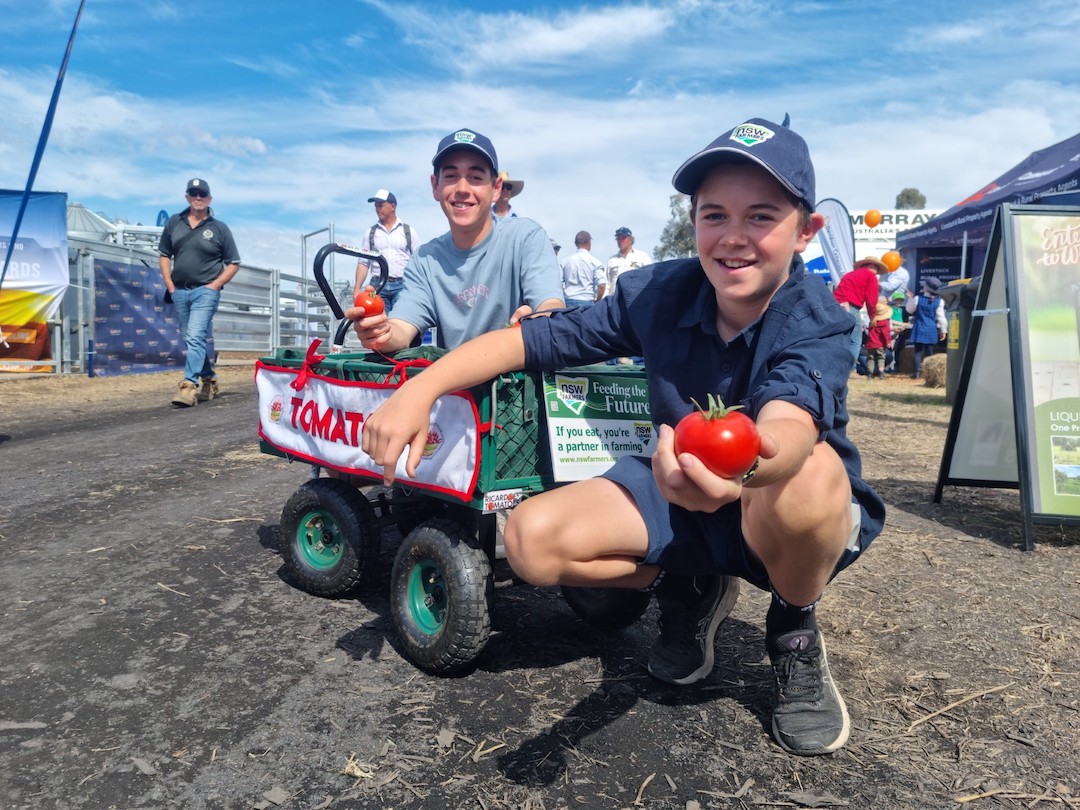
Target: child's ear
pixel 815 223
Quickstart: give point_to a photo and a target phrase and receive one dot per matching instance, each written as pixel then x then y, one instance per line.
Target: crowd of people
pixel 742 321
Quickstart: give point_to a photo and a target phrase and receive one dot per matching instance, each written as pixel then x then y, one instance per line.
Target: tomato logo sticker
pixel 277 407
pixel 434 441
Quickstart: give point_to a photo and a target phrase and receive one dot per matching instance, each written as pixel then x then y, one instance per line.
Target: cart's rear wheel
pixel 440 595
pixel 607 608
pixel 329 537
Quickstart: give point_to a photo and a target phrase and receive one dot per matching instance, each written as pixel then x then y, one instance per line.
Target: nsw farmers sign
pixel 595 417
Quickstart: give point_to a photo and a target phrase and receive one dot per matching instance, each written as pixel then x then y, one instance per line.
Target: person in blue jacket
pixel 743 321
pixel 928 322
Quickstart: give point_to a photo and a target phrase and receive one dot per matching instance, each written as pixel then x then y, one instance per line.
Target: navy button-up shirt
pixel 798 351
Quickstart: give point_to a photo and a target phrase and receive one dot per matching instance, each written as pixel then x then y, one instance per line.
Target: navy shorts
pixel 686 542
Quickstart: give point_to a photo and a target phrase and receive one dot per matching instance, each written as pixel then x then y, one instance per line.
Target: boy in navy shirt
pixel 758 331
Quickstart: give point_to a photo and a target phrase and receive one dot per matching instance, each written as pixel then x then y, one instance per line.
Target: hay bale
pixel 933 370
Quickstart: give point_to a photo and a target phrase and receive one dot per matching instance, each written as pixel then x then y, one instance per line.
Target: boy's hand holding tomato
pixel 369 313
pixel 369 302
pixel 724 449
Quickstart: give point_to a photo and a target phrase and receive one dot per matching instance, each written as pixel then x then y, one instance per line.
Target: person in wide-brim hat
pixel 883 311
pixel 510 188
pixel 876 264
pixel 515 187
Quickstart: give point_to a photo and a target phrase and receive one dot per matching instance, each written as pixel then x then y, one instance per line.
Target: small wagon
pixel 311 409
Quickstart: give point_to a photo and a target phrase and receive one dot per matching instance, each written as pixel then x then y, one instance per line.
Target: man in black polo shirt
pixel 198 258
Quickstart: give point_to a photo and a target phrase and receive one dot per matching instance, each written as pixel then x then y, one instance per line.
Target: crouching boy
pixel 743 322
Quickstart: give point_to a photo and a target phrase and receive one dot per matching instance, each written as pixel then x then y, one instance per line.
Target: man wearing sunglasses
pixel 198 258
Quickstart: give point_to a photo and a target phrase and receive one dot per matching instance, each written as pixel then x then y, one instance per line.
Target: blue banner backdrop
pixel 135 331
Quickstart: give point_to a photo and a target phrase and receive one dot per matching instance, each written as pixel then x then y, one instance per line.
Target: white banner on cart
pixel 323 423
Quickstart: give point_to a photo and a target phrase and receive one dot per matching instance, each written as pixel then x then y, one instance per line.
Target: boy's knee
pixel 525 538
pixel 814 503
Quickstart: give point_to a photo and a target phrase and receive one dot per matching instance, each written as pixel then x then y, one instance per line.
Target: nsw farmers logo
pixel 643 432
pixel 572 392
pixel 751 134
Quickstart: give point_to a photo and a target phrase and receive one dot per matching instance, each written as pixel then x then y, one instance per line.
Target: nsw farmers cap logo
pixel 464 136
pixel 572 392
pixel 751 134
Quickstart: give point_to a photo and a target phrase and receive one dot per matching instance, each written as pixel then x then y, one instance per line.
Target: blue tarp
pixel 1052 170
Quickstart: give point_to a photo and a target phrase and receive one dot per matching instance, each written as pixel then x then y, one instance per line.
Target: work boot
pixel 691 610
pixel 810 717
pixel 208 390
pixel 187 396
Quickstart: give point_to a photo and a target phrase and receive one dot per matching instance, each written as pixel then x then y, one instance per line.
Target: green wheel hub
pixel 319 540
pixel 426 597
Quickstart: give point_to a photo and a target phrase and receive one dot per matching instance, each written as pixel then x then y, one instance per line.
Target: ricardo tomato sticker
pixel 277 405
pixel 434 441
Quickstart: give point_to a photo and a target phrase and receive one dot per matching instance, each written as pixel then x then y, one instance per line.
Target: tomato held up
pixel 726 441
pixel 370 302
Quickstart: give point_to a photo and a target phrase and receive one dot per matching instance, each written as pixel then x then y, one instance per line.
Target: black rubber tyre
pixel 440 595
pixel 329 537
pixel 607 608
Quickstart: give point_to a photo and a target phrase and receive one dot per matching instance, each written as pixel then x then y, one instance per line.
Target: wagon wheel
pixel 440 596
pixel 607 608
pixel 329 537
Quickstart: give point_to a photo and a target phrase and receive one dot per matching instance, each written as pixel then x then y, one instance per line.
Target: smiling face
pixel 465 186
pixel 748 228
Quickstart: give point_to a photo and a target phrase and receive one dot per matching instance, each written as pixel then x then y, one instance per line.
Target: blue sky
pixel 297 112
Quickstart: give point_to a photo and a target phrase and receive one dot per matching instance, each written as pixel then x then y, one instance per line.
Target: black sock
pixel 785 618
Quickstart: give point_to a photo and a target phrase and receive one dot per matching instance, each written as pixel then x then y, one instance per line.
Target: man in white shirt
pixel 394 240
pixel 582 274
pixel 628 258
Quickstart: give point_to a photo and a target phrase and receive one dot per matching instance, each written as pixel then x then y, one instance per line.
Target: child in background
pixel 878 338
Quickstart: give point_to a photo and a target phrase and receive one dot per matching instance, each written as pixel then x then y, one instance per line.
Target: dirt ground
pixel 156 654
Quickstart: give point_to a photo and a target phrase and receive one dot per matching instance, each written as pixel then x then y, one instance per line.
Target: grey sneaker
pixel 208 390
pixel 691 610
pixel 187 396
pixel 810 717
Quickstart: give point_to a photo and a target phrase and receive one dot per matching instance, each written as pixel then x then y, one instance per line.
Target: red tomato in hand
pixel 726 441
pixel 370 302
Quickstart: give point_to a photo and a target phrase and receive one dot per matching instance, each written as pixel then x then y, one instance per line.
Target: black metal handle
pixel 324 285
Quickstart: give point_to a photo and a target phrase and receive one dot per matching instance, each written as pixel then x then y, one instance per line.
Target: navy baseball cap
pixel 623 232
pixel 467 139
pixel 775 148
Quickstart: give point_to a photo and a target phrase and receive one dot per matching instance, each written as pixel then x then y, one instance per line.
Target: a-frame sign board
pixel 1016 418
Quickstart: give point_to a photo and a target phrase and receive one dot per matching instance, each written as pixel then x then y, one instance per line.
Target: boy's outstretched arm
pixel 403 419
